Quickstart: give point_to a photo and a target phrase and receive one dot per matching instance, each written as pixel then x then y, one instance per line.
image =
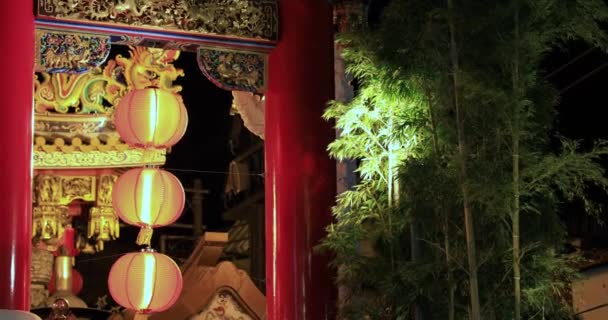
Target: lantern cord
pixel 145 236
pixel 140 316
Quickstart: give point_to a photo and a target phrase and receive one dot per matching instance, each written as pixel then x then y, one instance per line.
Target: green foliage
pixel 401 126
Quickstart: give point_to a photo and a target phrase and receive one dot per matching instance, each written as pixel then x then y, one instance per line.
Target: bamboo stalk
pixel 462 148
pixel 446 226
pixel 451 285
pixel 516 180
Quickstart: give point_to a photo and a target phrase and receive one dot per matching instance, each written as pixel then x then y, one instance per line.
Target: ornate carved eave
pixel 95 159
pixel 84 141
pixel 254 21
pixel 232 37
pixel 70 53
pixel 203 285
pixel 233 69
pixel 73 127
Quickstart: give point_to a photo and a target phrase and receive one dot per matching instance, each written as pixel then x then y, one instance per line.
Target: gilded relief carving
pixel 104 225
pixel 49 221
pixel 48 189
pixel 53 195
pixel 58 190
pixel 73 123
pixel 234 70
pixel 104 191
pixel 78 188
pixel 91 92
pixel 97 159
pixel 234 18
pixel 70 52
pixel 147 67
pixel 72 128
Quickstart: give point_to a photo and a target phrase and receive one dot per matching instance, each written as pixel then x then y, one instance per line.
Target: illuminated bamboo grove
pixel 453 105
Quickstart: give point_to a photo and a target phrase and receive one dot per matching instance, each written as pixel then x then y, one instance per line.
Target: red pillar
pixel 16 94
pixel 300 177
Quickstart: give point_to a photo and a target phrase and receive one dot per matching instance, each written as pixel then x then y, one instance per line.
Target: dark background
pixel 581 75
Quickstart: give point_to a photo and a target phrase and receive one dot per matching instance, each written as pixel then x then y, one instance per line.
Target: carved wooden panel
pixel 234 70
pixel 70 52
pixel 253 19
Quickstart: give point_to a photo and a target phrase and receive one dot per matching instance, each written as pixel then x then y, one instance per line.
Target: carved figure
pixel 68 52
pixel 48 189
pixel 238 73
pixel 77 187
pixel 104 194
pixel 128 7
pixel 150 67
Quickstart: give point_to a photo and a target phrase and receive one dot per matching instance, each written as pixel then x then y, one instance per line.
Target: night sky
pixel 581 108
pixel 204 147
pixel 581 74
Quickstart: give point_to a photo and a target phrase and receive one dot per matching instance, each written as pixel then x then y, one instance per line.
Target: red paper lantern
pixel 145 281
pixel 148 198
pixel 151 118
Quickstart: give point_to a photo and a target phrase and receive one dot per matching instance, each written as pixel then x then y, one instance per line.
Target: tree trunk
pixel 439 209
pixel 462 148
pixel 515 155
pixel 451 285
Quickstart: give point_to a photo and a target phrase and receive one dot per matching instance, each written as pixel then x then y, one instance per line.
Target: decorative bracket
pixel 233 69
pixel 67 52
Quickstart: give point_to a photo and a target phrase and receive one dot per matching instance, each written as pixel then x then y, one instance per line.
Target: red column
pixel 16 86
pixel 300 177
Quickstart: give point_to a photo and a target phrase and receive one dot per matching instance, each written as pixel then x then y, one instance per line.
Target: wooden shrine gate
pixel 282 50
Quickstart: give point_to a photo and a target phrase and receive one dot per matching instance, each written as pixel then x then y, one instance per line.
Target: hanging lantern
pixel 145 281
pixel 148 198
pixel 151 118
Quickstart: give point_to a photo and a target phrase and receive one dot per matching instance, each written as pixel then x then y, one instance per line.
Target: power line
pixel 603 305
pixel 583 78
pixel 575 59
pixel 214 172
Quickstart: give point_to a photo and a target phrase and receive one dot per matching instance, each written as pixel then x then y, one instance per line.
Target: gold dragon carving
pixel 90 92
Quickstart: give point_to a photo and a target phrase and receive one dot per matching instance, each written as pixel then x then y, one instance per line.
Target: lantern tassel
pixel 145 236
